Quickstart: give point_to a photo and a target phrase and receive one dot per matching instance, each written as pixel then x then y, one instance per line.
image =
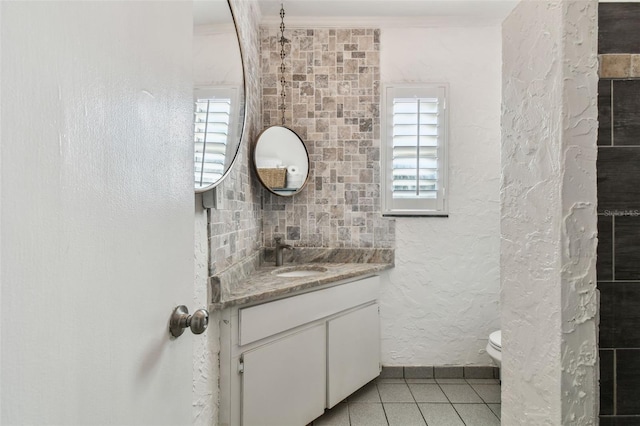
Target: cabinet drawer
pixel 267 319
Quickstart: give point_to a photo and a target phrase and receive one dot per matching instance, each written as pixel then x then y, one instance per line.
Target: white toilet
pixel 494 347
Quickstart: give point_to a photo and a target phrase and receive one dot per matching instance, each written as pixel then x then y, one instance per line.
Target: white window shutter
pixel 414 150
pixel 212 131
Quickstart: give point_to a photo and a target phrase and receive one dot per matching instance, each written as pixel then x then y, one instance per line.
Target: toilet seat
pixel 495 340
pixel 494 347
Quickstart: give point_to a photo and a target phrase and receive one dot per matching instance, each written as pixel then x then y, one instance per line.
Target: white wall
pixel 548 215
pixel 440 302
pixel 216 56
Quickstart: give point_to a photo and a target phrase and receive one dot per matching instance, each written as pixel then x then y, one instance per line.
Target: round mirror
pixel 281 161
pixel 218 93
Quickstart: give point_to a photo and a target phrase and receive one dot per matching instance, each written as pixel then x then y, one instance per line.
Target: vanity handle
pixel 180 319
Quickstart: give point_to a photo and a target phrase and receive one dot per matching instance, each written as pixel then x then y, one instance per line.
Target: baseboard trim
pixel 440 372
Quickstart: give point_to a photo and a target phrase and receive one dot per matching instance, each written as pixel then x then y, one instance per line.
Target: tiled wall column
pixel 619 212
pixel 333 103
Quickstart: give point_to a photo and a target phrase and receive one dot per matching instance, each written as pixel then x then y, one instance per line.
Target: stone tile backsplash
pixel 235 227
pixel 333 103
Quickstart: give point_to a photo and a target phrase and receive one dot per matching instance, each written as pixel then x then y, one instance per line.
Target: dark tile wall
pixel 628 398
pixel 626 126
pixel 619 421
pixel 605 248
pixel 626 237
pixel 604 112
pixel 620 315
pixel 618 179
pixel 619 221
pixel 606 381
pixel 619 27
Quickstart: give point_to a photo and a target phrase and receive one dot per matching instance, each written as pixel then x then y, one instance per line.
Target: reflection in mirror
pixel 281 161
pixel 219 95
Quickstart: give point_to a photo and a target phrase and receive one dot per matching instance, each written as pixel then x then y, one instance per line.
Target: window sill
pixel 416 215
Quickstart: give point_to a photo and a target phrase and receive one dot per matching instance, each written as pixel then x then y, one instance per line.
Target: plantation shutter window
pixel 414 150
pixel 212 131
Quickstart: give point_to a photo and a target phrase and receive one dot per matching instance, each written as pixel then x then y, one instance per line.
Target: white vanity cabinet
pixel 351 339
pixel 283 382
pixel 284 361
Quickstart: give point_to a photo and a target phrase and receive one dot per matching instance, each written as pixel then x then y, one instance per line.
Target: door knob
pixel 180 319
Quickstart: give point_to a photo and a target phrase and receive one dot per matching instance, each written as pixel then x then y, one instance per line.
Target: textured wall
pixel 548 213
pixel 234 228
pixel 579 202
pixel 440 302
pixel 333 104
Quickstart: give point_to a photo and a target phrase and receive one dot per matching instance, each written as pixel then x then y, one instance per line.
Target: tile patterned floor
pixel 424 402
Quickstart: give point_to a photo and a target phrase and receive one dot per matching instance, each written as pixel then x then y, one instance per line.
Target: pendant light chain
pixel 283 81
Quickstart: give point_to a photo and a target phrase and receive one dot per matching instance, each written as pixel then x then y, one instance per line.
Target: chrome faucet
pixel 279 249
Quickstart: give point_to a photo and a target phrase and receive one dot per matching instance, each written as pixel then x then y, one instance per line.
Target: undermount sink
pixel 299 271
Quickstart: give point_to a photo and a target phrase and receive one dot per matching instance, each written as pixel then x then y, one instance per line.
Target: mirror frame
pixel 243 110
pixel 255 166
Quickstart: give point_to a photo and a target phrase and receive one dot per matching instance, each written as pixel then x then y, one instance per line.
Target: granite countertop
pixel 254 280
pixel 264 284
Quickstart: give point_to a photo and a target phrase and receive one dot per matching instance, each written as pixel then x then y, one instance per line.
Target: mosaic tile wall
pixel 333 103
pixel 235 227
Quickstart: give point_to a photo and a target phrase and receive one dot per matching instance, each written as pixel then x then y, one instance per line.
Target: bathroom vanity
pixel 287 357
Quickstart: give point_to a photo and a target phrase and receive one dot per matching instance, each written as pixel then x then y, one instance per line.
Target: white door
pixel 96 212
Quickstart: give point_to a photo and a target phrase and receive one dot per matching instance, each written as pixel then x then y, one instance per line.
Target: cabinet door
pixel 284 382
pixel 353 351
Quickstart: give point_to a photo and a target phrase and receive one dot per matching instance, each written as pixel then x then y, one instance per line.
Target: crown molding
pixel 303 22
